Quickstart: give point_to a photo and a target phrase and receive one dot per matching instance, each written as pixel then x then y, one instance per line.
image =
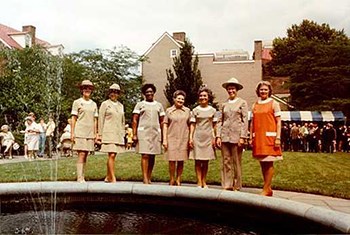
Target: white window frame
pixel 172 53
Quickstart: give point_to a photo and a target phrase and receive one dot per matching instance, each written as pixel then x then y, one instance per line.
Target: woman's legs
pixel 179 170
pixel 82 156
pixel 110 168
pixel 205 164
pixel 267 171
pixel 198 169
pixel 147 164
pixel 172 166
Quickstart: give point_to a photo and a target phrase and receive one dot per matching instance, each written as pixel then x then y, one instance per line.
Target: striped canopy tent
pixel 312 116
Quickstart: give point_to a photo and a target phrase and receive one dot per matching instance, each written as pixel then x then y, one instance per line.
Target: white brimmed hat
pixel 86 83
pixel 114 86
pixel 4 127
pixel 233 81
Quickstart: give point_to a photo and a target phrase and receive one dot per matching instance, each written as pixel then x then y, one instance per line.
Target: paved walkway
pixel 337 204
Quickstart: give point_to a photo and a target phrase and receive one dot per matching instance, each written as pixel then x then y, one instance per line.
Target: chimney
pixel 257 49
pixel 179 36
pixel 30 29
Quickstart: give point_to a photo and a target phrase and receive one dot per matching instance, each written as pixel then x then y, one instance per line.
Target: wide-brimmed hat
pixel 233 81
pixel 29 118
pixel 114 86
pixel 86 83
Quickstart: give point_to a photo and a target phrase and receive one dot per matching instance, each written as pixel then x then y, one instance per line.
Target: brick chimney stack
pixel 257 50
pixel 179 36
pixel 31 30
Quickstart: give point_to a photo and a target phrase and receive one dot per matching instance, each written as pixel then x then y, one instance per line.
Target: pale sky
pixel 211 25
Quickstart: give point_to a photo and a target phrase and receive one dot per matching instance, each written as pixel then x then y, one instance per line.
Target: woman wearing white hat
pixel 111 131
pixel 7 140
pixel 232 130
pixel 84 126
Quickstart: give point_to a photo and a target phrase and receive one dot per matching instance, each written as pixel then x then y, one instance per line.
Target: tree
pixel 317 60
pixel 185 76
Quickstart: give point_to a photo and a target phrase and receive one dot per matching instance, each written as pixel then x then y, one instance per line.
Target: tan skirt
pixel 82 144
pixel 112 148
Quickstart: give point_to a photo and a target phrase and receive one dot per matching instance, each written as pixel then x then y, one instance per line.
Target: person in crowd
pixel 32 115
pixel 147 121
pixel 285 137
pixel 111 129
pixel 66 131
pixel 32 137
pixel 176 136
pixel 50 131
pixel 84 126
pixel 65 144
pixel 7 140
pixel 329 138
pixel 129 135
pixel 303 133
pixel 202 135
pixel 314 137
pixel 295 137
pixel 266 133
pixel 42 137
pixel 232 132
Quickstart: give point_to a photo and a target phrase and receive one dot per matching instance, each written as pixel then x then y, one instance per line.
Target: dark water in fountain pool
pixel 96 222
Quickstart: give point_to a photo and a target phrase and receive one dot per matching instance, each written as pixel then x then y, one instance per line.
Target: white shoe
pixel 25 156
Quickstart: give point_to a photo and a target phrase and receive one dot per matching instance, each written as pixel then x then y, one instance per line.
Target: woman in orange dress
pixel 265 133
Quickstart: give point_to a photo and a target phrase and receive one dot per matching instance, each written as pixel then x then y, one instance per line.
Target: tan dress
pixel 148 130
pixel 177 121
pixel 203 133
pixel 84 133
pixel 111 126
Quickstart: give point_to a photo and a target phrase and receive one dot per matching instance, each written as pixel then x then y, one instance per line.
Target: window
pixel 173 53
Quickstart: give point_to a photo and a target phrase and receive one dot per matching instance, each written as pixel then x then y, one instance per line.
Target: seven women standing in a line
pixel 202 135
pixel 111 129
pixel 232 132
pixel 147 121
pixel 265 129
pixel 176 136
pixel 84 126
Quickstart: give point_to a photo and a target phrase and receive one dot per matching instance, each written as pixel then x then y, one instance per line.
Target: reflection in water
pixel 112 222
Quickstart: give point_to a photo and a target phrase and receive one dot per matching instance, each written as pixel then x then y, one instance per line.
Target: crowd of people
pixel 310 137
pixel 180 133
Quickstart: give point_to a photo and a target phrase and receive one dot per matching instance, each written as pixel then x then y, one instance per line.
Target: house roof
pixel 265 55
pixel 6 31
pixel 166 34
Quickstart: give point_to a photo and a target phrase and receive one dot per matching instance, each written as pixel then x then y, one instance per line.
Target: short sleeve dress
pixel 148 130
pixel 203 133
pixel 264 113
pixel 177 120
pixel 84 133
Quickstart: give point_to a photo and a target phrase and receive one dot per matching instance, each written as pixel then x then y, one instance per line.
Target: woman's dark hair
pixel 179 92
pixel 146 86
pixel 208 91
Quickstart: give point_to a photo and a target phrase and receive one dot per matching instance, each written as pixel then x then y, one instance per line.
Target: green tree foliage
pixel 104 67
pixel 317 60
pixel 30 82
pixel 184 75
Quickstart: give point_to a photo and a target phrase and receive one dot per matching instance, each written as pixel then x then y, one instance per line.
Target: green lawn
pixel 326 174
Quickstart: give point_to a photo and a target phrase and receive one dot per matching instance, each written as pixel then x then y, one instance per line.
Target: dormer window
pixel 173 53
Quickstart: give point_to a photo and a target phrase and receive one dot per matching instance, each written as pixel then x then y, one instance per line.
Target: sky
pixel 211 25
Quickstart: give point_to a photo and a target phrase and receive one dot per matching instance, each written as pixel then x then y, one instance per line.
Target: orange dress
pixel 264 130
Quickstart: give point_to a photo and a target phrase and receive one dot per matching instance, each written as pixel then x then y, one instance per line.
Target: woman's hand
pixel 190 143
pixel 72 138
pixel 277 142
pixel 218 142
pixel 241 142
pixel 134 139
pixel 213 142
pixel 165 145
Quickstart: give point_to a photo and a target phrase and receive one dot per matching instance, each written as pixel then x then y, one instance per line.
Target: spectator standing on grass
pixel 266 133
pixel 176 136
pixel 111 129
pixel 50 130
pixel 232 133
pixel 42 137
pixel 147 121
pixel 84 127
pixel 295 137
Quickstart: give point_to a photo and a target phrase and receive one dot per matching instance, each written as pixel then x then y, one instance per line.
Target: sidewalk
pixel 337 204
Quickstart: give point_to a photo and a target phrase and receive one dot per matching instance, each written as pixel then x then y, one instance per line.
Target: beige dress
pixel 204 118
pixel 177 121
pixel 111 126
pixel 84 133
pixel 148 130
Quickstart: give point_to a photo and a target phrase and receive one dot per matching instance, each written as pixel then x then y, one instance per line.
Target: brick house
pixel 215 67
pixel 14 39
